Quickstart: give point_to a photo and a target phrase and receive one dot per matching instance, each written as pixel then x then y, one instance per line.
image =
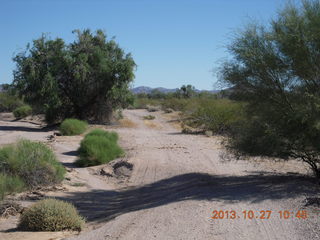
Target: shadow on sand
pixel 27 129
pixel 101 205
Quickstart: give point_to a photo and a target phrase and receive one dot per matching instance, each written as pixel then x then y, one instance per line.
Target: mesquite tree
pixel 86 79
pixel 276 70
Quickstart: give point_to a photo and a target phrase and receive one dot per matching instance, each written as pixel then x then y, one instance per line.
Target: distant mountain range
pixel 144 89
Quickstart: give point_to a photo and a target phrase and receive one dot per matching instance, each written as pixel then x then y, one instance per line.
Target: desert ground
pixel 168 185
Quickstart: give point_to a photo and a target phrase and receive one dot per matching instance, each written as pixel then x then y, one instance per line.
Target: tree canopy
pixel 85 79
pixel 276 70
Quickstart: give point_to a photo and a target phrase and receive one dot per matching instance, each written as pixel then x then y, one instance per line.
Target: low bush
pixel 168 110
pixel 98 147
pixel 177 104
pixel 34 163
pixel 51 215
pixel 149 117
pixel 152 109
pixel 113 136
pixel 10 184
pixel 9 102
pixel 71 127
pixel 22 112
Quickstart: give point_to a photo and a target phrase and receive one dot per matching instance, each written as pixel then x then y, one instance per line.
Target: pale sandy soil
pixel 176 182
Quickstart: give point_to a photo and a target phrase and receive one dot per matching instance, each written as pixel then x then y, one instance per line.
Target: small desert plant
pixel 118 114
pixel 51 215
pixel 98 147
pixel 10 184
pixel 71 127
pixel 152 109
pixel 127 123
pixel 168 110
pixel 34 163
pixel 149 117
pixel 22 112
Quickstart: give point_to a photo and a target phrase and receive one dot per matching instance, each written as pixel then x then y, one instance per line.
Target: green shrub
pixel 254 137
pixel 216 115
pixel 10 184
pixel 9 102
pixel 71 127
pixel 51 215
pixel 177 104
pixel 34 163
pixel 149 117
pixel 22 112
pixel 207 113
pixel 113 136
pixel 98 147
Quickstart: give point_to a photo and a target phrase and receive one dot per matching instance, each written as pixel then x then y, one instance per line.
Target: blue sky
pixel 173 42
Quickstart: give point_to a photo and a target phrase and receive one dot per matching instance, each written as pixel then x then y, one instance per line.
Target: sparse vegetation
pixel 28 164
pixel 51 215
pixel 98 147
pixel 71 127
pixel 127 123
pixel 77 184
pixel 219 116
pixel 143 103
pixel 201 112
pixel 22 111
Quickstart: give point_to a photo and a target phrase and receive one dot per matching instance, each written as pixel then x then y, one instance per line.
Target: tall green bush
pixel 275 69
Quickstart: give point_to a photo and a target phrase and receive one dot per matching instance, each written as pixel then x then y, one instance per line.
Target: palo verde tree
pixel 86 79
pixel 276 70
pixel 185 91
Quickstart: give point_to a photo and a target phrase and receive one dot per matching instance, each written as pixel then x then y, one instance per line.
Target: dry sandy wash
pixel 176 182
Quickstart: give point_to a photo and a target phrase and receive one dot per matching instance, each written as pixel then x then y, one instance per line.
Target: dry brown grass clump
pixel 152 124
pixel 127 123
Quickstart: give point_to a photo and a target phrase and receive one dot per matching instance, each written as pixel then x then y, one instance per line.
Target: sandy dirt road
pixel 177 182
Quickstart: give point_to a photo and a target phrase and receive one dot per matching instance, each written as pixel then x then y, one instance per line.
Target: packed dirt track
pixel 168 185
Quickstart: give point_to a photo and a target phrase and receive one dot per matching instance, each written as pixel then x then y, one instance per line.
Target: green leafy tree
pixel 187 91
pixel 276 70
pixel 82 79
